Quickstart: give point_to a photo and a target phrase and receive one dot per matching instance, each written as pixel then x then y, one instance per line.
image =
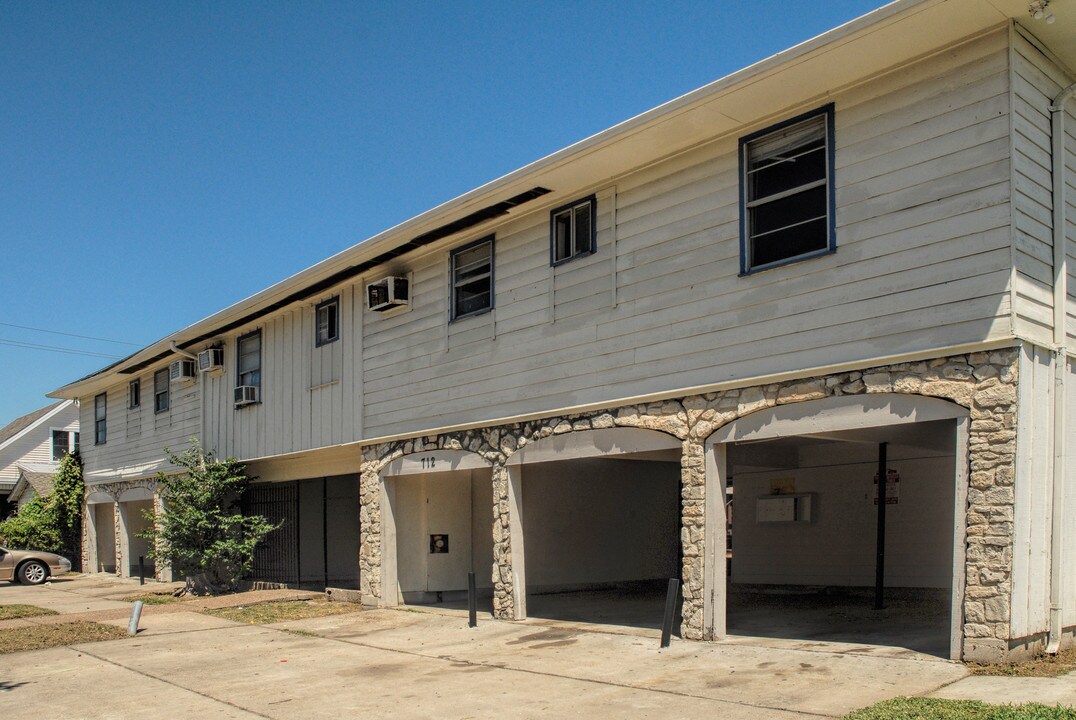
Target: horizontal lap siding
pixel 308 393
pixel 136 438
pixel 923 262
pixel 1033 86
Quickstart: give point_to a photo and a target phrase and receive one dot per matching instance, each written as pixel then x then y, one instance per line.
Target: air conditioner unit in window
pixel 211 359
pixel 246 395
pixel 181 371
pixel 387 293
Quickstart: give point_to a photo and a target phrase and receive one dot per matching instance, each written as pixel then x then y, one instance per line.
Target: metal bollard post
pixel 472 602
pixel 136 615
pixel 670 611
pixel 141 570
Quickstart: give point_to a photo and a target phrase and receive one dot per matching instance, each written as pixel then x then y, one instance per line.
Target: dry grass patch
pixel 13 612
pixel 1042 666
pixel 283 610
pixel 40 637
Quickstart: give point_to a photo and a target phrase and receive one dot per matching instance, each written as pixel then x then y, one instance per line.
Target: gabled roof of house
pixel 899 32
pixel 20 425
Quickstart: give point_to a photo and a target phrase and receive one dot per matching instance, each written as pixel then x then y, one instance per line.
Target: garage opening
pixel 104 523
pixel 317 543
pixel 805 559
pixel 600 517
pixel 443 528
pixel 138 547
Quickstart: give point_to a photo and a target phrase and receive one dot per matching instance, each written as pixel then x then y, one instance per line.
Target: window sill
pixel 476 313
pixel 788 261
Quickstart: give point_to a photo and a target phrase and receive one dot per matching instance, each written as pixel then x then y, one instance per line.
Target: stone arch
pixel 378 521
pixel 818 417
pixel 139 492
pixel 583 443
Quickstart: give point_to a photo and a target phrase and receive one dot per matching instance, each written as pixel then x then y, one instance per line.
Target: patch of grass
pixel 13 612
pixel 905 708
pixel 279 611
pixel 1042 666
pixel 40 637
pixel 303 633
pixel 154 598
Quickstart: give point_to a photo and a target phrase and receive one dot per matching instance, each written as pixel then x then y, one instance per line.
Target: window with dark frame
pixel 327 322
pixel 472 278
pixel 61 444
pixel 786 192
pixel 134 394
pixel 100 422
pixel 249 359
pixel 160 391
pixel 572 230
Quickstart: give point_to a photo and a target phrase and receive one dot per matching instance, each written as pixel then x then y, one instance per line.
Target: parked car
pixel 32 567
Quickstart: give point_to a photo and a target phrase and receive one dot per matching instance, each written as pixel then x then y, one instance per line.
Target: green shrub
pixel 52 522
pixel 200 531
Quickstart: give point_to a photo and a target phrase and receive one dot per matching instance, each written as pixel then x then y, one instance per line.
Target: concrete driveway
pixel 420 665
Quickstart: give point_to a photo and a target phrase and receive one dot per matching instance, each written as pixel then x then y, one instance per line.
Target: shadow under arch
pixel 865 416
pixel 417 463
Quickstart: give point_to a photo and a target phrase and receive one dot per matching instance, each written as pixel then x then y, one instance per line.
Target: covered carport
pixel 136 515
pixel 101 532
pixel 599 531
pixel 815 556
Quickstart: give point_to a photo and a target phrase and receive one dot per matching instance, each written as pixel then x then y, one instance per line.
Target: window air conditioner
pixel 246 395
pixel 387 293
pixel 181 371
pixel 211 359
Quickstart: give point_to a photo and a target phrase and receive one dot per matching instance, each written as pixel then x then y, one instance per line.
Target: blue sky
pixel 161 161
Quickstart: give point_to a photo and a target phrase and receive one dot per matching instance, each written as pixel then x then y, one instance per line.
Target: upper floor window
pixel 572 230
pixel 786 192
pixel 134 393
pixel 327 322
pixel 100 422
pixel 160 391
pixel 64 442
pixel 250 359
pixel 472 278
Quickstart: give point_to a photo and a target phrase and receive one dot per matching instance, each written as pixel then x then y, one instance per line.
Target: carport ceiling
pixel 914 438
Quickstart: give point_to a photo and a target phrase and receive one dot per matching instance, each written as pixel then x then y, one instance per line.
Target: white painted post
pixel 960 531
pixel 515 525
pixel 714 571
pixel 390 582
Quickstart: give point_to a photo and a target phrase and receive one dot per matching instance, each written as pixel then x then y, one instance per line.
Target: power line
pixel 56 332
pixel 53 348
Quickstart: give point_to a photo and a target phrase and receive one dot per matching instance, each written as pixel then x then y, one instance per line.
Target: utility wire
pixel 56 332
pixel 53 348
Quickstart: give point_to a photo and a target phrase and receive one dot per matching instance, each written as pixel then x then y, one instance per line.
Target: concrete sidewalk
pixel 422 664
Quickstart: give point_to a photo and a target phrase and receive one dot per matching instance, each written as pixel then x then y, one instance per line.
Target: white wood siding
pixel 923 262
pixel 1034 473
pixel 36 445
pixel 1068 572
pixel 136 437
pixel 309 396
pixel 1035 82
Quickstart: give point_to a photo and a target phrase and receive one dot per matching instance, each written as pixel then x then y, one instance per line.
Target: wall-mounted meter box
pixel 784 508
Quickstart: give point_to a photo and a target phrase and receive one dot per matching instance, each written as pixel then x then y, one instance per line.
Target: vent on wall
pixel 387 293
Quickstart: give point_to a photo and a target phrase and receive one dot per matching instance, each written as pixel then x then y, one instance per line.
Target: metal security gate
pixel 276 559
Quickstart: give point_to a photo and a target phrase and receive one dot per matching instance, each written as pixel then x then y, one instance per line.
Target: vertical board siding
pixel 1034 84
pixel 303 387
pixel 923 262
pixel 137 437
pixel 1068 570
pixel 1034 473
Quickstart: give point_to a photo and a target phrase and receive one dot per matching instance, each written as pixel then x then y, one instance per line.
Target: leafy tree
pixel 52 522
pixel 200 532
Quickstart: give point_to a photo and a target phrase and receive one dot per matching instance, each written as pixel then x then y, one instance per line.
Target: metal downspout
pixel 1057 509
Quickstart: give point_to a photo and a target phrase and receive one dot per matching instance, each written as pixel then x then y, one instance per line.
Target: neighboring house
pixel 850 259
pixel 38 441
pixel 34 481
